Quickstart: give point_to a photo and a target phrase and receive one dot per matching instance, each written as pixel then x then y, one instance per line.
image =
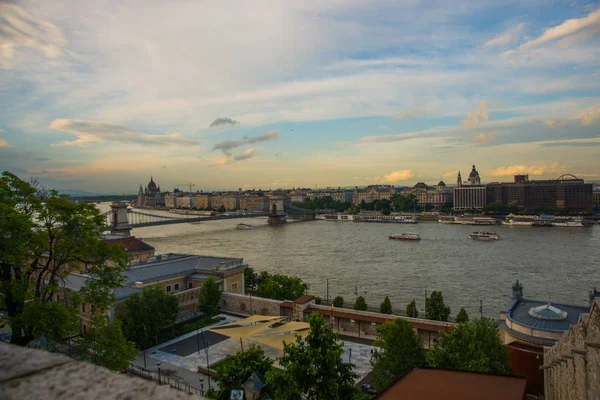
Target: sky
pixel 100 95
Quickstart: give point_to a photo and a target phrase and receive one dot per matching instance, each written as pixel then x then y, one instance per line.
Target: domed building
pixel 470 194
pixel 151 196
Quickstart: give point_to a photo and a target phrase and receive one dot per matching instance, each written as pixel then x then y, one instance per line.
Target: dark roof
pixel 441 183
pixel 420 185
pixel 424 384
pixel 304 299
pixel 132 244
pixel 526 338
pixel 518 312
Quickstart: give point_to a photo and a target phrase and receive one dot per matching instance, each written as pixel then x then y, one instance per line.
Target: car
pixel 368 389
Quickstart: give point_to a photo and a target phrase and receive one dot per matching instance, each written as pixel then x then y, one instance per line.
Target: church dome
pixel 474 173
pixel 151 184
pixel 441 183
pixel 420 185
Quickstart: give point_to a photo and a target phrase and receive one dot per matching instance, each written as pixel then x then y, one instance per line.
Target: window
pixel 83 308
pixel 177 287
pixel 168 288
pixel 234 286
pixel 190 285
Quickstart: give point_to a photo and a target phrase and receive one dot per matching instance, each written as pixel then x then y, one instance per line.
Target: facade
pixel 341 195
pixel 438 196
pixel 183 201
pixel 254 203
pixel 227 201
pixel 297 197
pixel 200 201
pixel 596 200
pixel 138 250
pixel 151 196
pixel 372 193
pixel 469 194
pixel 528 326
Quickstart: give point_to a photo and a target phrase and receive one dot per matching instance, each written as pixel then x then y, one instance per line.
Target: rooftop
pixel 543 315
pixel 132 244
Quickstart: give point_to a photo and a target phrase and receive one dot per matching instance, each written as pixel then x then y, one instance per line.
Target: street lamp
pixel 252 387
pixel 158 365
pixel 331 319
pixel 206 348
pixel 202 386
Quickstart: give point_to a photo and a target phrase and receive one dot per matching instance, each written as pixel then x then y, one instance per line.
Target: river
pixel 559 264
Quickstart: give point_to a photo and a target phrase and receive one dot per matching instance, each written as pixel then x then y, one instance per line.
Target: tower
pixel 276 211
pixel 459 180
pixel 140 198
pixel 120 223
pixel 517 291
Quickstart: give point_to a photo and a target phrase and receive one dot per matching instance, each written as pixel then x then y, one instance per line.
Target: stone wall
pixel 572 366
pixel 247 305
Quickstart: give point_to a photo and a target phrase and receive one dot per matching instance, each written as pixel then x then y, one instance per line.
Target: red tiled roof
pixel 286 304
pixel 132 244
pixel 304 299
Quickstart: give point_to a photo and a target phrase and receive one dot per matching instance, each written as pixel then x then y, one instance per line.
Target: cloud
pixel 483 138
pixel 227 145
pixel 379 62
pixel 478 115
pixel 90 133
pixel 220 122
pixel 399 137
pixel 571 31
pixel 245 155
pixel 450 174
pixel 238 157
pixel 397 176
pixel 18 28
pixel 408 114
pixel 506 38
pixel 535 170
pixel 553 123
pixel 3 143
pixel 587 116
pixel 164 166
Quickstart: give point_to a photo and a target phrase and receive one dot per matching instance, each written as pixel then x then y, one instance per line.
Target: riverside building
pixel 469 194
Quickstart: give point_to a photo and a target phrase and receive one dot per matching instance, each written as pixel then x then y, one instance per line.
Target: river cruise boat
pixel 244 226
pixel 484 236
pixel 405 236
pixel 568 222
pixel 520 220
pixel 335 217
pixel 401 219
pixel 475 221
pixel 447 219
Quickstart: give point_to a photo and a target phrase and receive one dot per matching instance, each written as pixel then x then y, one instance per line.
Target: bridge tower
pixel 277 213
pixel 120 223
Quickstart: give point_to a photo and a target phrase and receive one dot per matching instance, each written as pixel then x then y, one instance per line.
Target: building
pixel 254 203
pixel 151 196
pixel 567 192
pixel 596 200
pixel 372 193
pixel 200 201
pixel 138 250
pixel 297 197
pixel 433 384
pixel 528 326
pixel 226 201
pixel 469 194
pixel 437 197
pixel 339 194
pixel 183 201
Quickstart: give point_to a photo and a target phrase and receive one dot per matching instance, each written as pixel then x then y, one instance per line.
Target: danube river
pixel 561 264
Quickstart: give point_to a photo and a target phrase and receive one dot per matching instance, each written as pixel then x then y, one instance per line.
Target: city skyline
pixel 100 97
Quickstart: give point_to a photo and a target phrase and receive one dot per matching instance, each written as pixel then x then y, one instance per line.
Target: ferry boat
pixel 244 226
pixel 568 222
pixel 405 236
pixel 484 236
pixel 336 217
pixel 520 220
pixel 475 221
pixel 542 220
pixel 401 219
pixel 447 219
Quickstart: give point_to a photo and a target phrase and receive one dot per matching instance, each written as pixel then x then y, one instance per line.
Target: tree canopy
pixel 323 203
pixel 386 306
pixel 462 316
pixel 471 346
pixel 209 297
pixel 313 367
pixel 361 304
pixel 104 344
pixel 338 301
pixel 401 350
pixel 145 315
pixel 435 307
pixel 411 309
pixel 281 287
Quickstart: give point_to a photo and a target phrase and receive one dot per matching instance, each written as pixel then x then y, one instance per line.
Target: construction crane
pixel 186 184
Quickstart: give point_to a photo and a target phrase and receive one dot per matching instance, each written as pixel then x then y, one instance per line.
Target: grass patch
pixel 185 327
pixel 222 364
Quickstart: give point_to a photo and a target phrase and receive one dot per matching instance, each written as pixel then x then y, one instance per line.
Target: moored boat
pixel 484 236
pixel 405 236
pixel 244 226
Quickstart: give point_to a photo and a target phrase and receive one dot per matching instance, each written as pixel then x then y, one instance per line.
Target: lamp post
pixel 158 365
pixel 252 387
pixel 202 386
pixel 331 319
pixel 206 348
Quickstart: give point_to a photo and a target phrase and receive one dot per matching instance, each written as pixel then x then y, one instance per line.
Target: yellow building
pixel 200 201
pixel 254 203
pixel 228 202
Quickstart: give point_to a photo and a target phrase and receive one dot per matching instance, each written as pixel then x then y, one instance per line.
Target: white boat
pixel 520 220
pixel 485 236
pixel 568 222
pixel 244 226
pixel 447 219
pixel 405 236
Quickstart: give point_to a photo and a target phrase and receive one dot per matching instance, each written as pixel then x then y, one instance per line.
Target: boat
pixel 484 236
pixel 447 219
pixel 568 222
pixel 244 226
pixel 520 220
pixel 405 236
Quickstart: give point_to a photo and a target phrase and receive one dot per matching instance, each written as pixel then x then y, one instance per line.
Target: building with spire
pixel 150 196
pixel 470 194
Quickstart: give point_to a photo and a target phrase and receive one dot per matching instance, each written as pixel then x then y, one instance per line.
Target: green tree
pixel 281 287
pixel 313 367
pixel 471 346
pixel 338 301
pixel 44 235
pixel 104 344
pixel 462 316
pixel 411 309
pixel 250 279
pixel 386 306
pixel 435 307
pixel 239 369
pixel 361 304
pixel 209 297
pixel 401 350
pixel 318 300
pixel 145 315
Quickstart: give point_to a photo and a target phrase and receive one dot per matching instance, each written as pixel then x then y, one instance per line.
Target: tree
pixel 462 316
pixel 250 279
pixel 338 301
pixel 209 297
pixel 361 304
pixel 239 369
pixel 104 344
pixel 313 367
pixel 281 287
pixel 44 236
pixel 222 209
pixel 471 346
pixel 411 309
pixel 435 307
pixel 318 300
pixel 145 315
pixel 386 306
pixel 401 351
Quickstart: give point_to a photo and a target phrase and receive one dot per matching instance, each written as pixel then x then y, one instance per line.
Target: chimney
pixel 517 291
pixel 164 257
pixel 138 285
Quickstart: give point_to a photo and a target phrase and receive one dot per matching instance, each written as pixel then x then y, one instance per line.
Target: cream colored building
pixel 229 202
pixel 372 193
pixel 254 203
pixel 200 201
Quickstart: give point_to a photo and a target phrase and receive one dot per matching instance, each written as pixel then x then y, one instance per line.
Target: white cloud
pixel 91 133
pixel 245 155
pixel 506 38
pixel 587 116
pixel 408 114
pixel 483 138
pixel 571 31
pixel 380 62
pixel 227 145
pixel 18 28
pixel 535 170
pixel 553 123
pixel 3 143
pixel 477 116
pixel 398 176
pixel 450 174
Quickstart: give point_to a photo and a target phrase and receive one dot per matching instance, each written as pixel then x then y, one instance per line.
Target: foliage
pixel 338 301
pixel 318 300
pixel 323 203
pixel 411 309
pixel 435 307
pixel 386 306
pixel 281 287
pixel 462 316
pixel 44 235
pixel 144 315
pixel 313 367
pixel 209 297
pixel 104 344
pixel 239 368
pixel 403 202
pixel 250 280
pixel 54 320
pixel 471 346
pixel 401 351
pixel 361 304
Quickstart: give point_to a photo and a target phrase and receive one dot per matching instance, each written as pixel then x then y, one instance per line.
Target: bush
pixel 338 302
